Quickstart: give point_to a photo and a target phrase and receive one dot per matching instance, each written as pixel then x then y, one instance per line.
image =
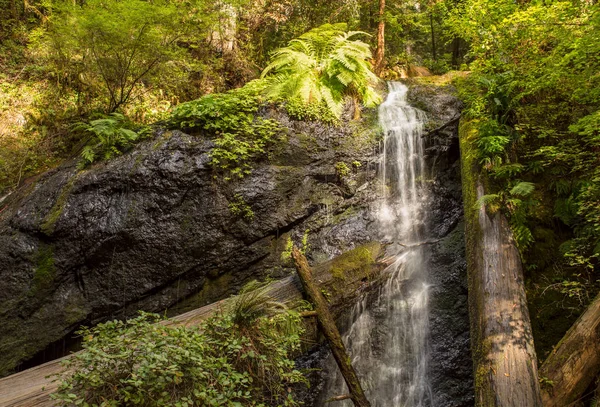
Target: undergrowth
pixel 543 172
pixel 110 135
pixel 238 357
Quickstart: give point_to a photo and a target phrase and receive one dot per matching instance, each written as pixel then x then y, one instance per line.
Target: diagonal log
pixel 329 329
pixel 574 363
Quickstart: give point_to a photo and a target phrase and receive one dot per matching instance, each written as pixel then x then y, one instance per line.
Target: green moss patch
pixel 45 269
pixel 358 261
pixel 52 217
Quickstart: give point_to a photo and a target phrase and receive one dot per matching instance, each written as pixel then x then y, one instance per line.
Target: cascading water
pixel 388 336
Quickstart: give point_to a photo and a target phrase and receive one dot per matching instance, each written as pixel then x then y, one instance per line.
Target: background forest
pixel 533 96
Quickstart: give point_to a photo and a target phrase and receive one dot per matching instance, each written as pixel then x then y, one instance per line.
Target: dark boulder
pixel 157 227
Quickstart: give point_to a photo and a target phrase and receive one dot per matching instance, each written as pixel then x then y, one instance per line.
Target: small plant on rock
pixel 110 135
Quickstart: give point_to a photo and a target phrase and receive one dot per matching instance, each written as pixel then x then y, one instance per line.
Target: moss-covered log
pixel 503 354
pixel 574 363
pixel 330 330
pixel 343 279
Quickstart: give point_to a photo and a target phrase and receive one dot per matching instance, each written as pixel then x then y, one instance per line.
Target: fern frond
pixel 487 200
pixel 522 189
pixel 324 64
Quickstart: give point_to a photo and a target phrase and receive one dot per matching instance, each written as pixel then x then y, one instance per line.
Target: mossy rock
pixel 52 217
pixel 343 276
pixel 45 270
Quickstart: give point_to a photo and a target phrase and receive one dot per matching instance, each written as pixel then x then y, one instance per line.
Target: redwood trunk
pixel 504 358
pixel 379 52
pixel 330 330
pixel 574 362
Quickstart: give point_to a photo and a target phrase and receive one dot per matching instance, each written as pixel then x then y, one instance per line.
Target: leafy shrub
pixel 341 169
pixel 297 109
pixel 87 48
pixel 110 135
pixel 238 357
pixel 231 118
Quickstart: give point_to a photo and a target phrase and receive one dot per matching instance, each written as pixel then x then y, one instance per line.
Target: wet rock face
pixel 450 366
pixel 154 228
pixel 451 369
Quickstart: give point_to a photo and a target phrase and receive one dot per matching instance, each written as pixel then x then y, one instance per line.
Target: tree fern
pixel 323 66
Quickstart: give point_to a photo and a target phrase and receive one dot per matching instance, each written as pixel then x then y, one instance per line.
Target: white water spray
pixel 388 337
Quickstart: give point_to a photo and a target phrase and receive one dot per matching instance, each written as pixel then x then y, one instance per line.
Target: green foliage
pixel 341 169
pixel 490 201
pixel 323 66
pixel 522 189
pixel 535 93
pixel 111 46
pixel 111 135
pixel 286 254
pixel 240 135
pixel 239 357
pixel 299 110
pixel 305 246
pixel 239 207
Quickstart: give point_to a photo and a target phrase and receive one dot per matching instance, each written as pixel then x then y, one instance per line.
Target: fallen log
pixel 504 359
pixel 32 387
pixel 329 329
pixel 574 363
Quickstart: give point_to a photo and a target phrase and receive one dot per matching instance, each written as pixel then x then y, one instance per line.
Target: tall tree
pixel 379 52
pixel 112 46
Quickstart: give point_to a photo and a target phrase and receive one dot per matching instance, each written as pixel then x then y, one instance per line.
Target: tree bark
pixel 330 330
pixel 575 361
pixel 504 357
pixel 455 52
pixel 339 398
pixel 380 51
pixel 432 36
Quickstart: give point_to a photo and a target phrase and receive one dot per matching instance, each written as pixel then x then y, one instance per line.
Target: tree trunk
pixel 575 361
pixel 433 50
pixel 504 358
pixel 379 52
pixel 329 329
pixel 455 52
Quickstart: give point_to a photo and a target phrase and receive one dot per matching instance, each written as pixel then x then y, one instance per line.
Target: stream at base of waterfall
pixel 387 332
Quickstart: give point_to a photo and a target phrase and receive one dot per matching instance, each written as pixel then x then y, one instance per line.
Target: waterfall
pixel 388 333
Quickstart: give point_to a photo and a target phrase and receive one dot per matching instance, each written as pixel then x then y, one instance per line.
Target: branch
pixel 443 126
pixel 329 329
pixel 339 398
